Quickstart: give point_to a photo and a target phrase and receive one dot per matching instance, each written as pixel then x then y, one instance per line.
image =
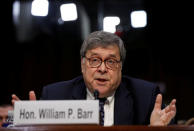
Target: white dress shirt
pixel 108 108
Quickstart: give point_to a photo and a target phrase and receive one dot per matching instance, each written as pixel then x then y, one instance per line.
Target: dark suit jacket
pixel 134 98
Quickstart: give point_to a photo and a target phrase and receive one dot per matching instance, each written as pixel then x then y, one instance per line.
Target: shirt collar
pixel 90 96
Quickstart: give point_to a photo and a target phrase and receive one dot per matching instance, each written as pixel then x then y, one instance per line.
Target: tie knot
pixel 102 100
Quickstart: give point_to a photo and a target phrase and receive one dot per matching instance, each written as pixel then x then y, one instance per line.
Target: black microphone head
pixel 96 94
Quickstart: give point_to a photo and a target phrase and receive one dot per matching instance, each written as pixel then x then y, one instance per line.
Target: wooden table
pixel 96 128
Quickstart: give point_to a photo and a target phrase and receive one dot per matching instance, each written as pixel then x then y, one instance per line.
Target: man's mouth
pixel 101 79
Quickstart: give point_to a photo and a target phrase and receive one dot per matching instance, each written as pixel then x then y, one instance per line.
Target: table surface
pixel 97 128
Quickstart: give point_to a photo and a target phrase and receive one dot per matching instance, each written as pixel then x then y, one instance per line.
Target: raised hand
pixel 32 96
pixel 162 117
pixel 14 98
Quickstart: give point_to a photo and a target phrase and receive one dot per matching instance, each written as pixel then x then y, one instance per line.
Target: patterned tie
pixel 101 103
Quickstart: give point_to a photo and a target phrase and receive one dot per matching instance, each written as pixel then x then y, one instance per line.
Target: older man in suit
pixel 128 101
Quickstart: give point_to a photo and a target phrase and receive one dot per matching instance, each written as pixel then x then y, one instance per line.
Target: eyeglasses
pixel 96 62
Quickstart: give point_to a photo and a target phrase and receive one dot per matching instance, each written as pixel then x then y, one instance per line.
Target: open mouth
pixel 101 81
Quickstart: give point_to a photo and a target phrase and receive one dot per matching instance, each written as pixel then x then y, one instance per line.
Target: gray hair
pixel 103 39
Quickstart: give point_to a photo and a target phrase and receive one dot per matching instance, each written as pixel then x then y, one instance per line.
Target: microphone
pixel 96 94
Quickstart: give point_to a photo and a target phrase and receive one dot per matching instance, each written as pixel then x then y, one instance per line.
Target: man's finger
pixel 15 97
pixel 173 102
pixel 158 102
pixel 32 95
pixel 173 106
pixel 172 113
pixel 167 109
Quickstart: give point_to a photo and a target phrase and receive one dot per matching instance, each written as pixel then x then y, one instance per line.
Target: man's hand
pixel 32 96
pixel 162 117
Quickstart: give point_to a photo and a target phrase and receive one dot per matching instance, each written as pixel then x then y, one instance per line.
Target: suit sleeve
pixel 155 92
pixel 44 94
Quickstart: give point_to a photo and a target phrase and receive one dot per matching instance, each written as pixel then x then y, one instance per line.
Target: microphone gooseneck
pixel 96 94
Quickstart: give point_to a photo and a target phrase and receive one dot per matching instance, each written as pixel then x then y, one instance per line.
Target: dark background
pixel 39 50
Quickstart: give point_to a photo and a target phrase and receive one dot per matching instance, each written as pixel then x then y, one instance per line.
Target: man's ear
pixel 82 64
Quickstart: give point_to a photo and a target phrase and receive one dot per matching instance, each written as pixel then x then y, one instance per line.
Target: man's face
pixel 4 114
pixel 101 78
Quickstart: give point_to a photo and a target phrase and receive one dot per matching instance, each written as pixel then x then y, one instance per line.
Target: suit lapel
pixel 123 108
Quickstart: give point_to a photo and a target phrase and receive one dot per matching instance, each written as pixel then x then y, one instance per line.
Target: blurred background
pixel 40 42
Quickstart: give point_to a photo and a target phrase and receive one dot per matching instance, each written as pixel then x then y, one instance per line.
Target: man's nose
pixel 102 68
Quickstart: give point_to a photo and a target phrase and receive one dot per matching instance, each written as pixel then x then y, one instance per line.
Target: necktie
pixel 101 103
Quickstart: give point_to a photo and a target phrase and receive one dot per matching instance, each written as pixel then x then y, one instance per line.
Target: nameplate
pixel 56 112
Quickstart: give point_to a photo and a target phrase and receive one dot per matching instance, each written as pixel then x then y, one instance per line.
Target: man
pixel 129 101
pixel 4 113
